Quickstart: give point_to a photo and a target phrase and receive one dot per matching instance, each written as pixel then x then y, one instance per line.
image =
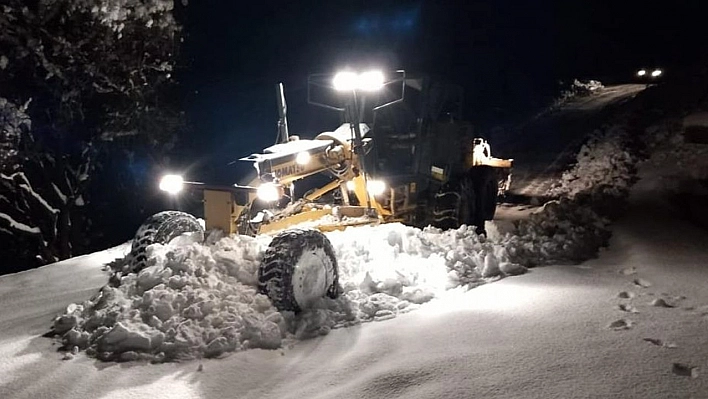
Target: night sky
pixel 508 56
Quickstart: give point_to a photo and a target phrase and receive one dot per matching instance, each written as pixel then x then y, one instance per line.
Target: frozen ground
pixel 629 324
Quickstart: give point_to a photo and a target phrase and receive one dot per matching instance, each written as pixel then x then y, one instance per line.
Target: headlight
pixel 268 192
pixel 641 72
pixel 367 81
pixel 375 187
pixel 171 183
pixel 302 158
pixel 656 73
pixel 345 81
pixel 371 81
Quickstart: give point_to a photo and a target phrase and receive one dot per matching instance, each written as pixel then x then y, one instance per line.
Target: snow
pixel 38 197
pixel 197 300
pixel 425 313
pixel 17 177
pixel 62 196
pixel 603 164
pixel 576 89
pixel 18 225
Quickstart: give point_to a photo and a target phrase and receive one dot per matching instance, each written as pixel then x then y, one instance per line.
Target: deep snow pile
pixel 191 295
pixel 575 225
pixel 562 231
pixel 605 165
pixel 199 300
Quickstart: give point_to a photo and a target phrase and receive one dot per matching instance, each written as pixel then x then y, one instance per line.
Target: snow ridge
pixel 573 226
pixel 19 226
pixel 604 166
pixel 200 300
pixel 193 300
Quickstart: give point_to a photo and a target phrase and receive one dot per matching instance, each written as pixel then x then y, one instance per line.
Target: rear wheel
pixel 486 189
pixel 298 268
pixel 455 204
pixel 487 186
pixel 160 228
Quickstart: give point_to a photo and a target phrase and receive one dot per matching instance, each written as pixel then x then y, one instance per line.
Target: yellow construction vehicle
pixel 457 186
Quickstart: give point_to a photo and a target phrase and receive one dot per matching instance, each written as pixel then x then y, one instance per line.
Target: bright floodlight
pixel 345 81
pixel 268 192
pixel 641 72
pixel 171 183
pixel 302 158
pixel 350 185
pixel 656 72
pixel 375 187
pixel 371 81
pixel 367 81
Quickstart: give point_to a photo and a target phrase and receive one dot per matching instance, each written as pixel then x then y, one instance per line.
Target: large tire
pixel 160 228
pixel 455 204
pixel 298 268
pixel 487 188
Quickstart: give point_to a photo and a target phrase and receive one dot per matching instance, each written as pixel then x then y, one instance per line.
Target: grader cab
pixel 416 166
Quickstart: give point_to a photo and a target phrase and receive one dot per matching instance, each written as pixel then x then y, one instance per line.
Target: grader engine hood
pixel 297 159
pixel 291 161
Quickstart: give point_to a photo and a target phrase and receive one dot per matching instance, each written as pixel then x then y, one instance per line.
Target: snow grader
pixel 427 168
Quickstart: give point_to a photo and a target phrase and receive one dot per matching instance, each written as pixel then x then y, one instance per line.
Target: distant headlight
pixel 171 183
pixel 656 73
pixel 641 72
pixel 268 192
pixel 375 187
pixel 302 158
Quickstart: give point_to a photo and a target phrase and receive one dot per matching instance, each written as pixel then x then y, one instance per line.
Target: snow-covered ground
pixel 628 324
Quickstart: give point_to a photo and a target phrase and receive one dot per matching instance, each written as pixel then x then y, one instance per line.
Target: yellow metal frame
pixel 219 209
pixel 323 190
pixel 222 212
pixel 297 218
pixel 362 194
pixel 315 214
pixel 479 158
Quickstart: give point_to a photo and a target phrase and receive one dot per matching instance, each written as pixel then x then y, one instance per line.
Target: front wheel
pixel 298 268
pixel 160 228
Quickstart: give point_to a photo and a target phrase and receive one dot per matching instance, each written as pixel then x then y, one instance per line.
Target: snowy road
pixel 545 334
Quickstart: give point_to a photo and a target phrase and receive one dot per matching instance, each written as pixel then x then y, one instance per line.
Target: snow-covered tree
pixel 88 74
